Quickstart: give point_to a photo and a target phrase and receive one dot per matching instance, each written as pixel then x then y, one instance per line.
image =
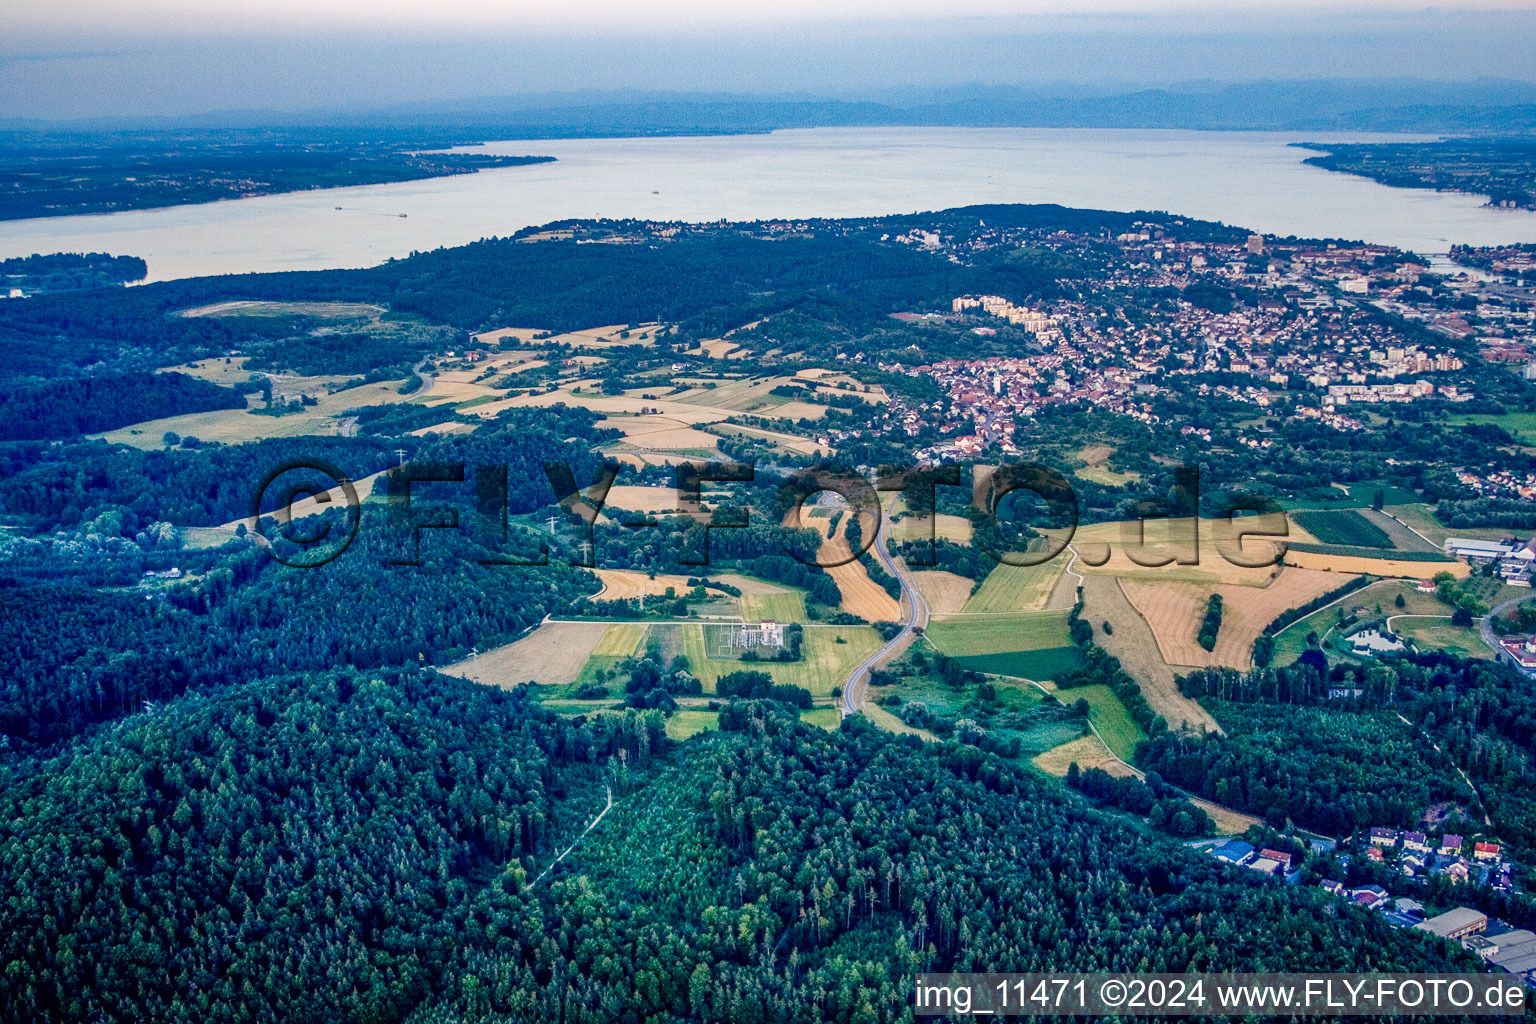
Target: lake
pixel 1252 179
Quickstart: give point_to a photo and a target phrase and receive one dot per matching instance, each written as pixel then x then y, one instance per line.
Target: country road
pixel 917 618
pixel 1485 624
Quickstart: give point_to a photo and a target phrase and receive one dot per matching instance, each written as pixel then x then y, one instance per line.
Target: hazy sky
pixel 76 58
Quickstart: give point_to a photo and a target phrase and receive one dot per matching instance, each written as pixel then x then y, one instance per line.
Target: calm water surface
pixel 1252 179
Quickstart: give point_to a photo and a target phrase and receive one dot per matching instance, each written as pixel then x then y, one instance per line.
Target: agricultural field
pixel 890 723
pixel 1017 588
pixel 1108 716
pixel 1359 495
pixel 1085 752
pixel 1345 526
pixel 825 663
pixel 651 500
pixel 1520 425
pixel 240 426
pixel 1104 549
pixel 620 584
pixel 830 719
pixel 1134 644
pixel 555 654
pixel 309 505
pixel 789 443
pixel 779 605
pixel 945 527
pixel 1174 612
pixel 659 432
pixel 1421 517
pixel 1402 536
pixel 862 596
pixel 1360 565
pixel 1095 468
pixel 609 336
pixel 946 592
pixel 1028 645
pixel 620 640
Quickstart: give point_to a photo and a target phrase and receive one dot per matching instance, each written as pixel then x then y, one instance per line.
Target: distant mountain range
pixel 1483 107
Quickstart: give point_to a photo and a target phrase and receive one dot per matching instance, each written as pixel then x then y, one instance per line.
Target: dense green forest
pixel 83 405
pixel 350 845
pixel 70 271
pixel 1353 760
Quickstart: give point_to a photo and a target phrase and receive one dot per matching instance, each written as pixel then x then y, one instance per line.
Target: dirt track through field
pixel 1136 647
pixel 1174 611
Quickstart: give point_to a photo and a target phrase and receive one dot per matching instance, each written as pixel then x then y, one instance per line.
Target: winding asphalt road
pixel 917 618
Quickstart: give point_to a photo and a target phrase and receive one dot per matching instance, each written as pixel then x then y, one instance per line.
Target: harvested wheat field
pixel 1106 548
pixel 554 653
pixel 1174 612
pixel 1086 752
pixel 722 348
pixel 665 434
pixel 1227 821
pixel 945 527
pixel 862 596
pixel 619 584
pixel 496 337
pixel 946 592
pixel 605 337
pixel 454 427
pixel 1353 565
pixel 638 498
pixel 608 405
pixel 1133 643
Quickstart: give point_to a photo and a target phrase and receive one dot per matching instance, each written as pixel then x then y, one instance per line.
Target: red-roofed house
pixel 1481 851
pixel 1284 859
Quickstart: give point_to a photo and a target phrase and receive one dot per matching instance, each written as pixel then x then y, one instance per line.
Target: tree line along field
pixel 1175 611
